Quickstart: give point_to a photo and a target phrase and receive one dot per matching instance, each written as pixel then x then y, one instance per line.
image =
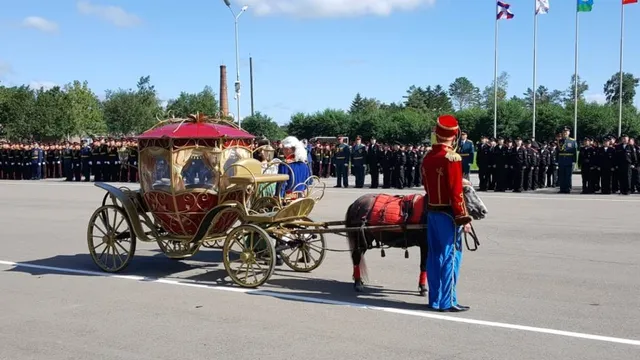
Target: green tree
pixel 262 125
pixel 488 93
pixel 187 103
pixel 629 85
pixel 52 111
pixel 464 94
pixel 16 112
pixel 85 111
pixel 569 94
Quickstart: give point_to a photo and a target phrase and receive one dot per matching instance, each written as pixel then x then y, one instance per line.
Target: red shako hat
pixel 447 127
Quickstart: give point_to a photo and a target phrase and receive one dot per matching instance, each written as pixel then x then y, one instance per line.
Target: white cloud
pixel 599 98
pixel 42 84
pixel 113 14
pixel 332 8
pixel 5 68
pixel 39 23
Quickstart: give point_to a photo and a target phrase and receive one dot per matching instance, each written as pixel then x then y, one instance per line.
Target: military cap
pixel 483 137
pixel 500 138
pixel 358 137
pixel 624 135
pixel 518 138
pixel 528 141
pixel 464 132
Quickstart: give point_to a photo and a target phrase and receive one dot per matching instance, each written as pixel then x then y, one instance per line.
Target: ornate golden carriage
pixel 200 185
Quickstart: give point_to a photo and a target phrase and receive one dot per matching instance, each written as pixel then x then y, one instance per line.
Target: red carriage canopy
pixel 196 130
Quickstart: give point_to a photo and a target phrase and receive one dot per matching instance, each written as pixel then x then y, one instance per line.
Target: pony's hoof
pixel 423 290
pixel 358 286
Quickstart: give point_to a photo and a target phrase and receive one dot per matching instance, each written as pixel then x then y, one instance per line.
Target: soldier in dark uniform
pixel 358 155
pixel 535 165
pixel 635 179
pixel 43 164
pixel 491 164
pixel 343 154
pixel 466 151
pixel 584 162
pixel 615 182
pixel 67 162
pixel 417 176
pixel 76 162
pixel 36 162
pixel 410 166
pixel 96 161
pixel 133 161
pixel 316 156
pixel 625 158
pixel 386 162
pixel 567 157
pixel 509 171
pixel 398 163
pixel 4 159
pixel 519 156
pixel 57 166
pixel 500 155
pixel 327 156
pixel 545 157
pixel 606 164
pixel 374 154
pixel 482 161
pixel 595 169
pixel 527 179
pixel 552 170
pixel 85 156
pixel 113 163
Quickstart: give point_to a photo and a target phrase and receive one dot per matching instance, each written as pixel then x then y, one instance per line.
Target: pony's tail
pixel 352 238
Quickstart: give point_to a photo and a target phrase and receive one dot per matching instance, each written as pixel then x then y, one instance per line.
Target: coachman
pixel 446 216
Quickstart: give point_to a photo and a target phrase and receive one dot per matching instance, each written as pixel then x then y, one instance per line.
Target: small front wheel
pixel 110 238
pixel 249 256
pixel 305 252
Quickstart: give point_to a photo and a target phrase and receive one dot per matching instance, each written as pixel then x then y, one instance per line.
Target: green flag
pixel 585 5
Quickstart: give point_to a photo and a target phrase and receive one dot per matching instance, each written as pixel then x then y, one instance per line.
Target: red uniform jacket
pixel 442 179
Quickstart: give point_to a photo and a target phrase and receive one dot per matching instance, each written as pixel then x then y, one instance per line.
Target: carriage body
pixel 182 173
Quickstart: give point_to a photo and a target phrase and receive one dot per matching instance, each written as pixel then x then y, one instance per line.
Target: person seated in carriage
pixel 295 165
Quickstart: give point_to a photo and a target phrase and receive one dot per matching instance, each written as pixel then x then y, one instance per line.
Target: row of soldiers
pixel 399 164
pixel 104 159
pixel 607 165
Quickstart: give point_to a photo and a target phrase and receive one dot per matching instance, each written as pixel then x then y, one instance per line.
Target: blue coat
pixel 296 182
pixel 466 151
pixel 567 152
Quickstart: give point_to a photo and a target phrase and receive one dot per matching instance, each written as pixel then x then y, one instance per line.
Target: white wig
pixel 300 150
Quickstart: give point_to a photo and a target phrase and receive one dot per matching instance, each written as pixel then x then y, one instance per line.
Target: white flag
pixel 542 6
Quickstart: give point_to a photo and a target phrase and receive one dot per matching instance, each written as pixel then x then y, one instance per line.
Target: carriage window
pixel 231 155
pixel 200 171
pixel 155 172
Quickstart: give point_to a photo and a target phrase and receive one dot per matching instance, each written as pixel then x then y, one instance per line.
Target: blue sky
pixel 308 54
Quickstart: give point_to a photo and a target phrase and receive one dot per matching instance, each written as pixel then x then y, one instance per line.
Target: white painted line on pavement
pixel 285 296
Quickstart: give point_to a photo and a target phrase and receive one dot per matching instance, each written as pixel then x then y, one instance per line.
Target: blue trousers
pixel 564 177
pixel 443 261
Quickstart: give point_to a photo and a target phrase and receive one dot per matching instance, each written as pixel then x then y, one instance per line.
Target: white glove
pixel 90 163
pixel 97 162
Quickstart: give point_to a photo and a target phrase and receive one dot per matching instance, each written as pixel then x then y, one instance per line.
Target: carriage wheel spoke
pixel 95 226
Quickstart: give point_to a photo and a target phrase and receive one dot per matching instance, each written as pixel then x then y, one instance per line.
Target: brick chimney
pixel 224 100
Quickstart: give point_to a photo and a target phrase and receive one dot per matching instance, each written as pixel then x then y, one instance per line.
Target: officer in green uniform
pixel 343 154
pixel 567 157
pixel 357 160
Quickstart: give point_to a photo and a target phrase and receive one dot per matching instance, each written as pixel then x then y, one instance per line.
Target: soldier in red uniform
pixel 446 216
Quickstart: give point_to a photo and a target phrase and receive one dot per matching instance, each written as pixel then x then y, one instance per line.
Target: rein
pixel 474 237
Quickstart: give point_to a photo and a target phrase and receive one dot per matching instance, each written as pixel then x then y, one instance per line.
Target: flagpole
pixel 621 78
pixel 495 80
pixel 575 82
pixel 535 64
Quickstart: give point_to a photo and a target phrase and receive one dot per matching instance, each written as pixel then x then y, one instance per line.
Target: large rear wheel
pixel 110 238
pixel 249 256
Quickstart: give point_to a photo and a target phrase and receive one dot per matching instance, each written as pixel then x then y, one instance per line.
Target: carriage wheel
pixel 306 252
pixel 176 249
pixel 249 256
pixel 108 197
pixel 110 237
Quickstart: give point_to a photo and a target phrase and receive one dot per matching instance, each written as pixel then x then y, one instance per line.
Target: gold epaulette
pixel 453 156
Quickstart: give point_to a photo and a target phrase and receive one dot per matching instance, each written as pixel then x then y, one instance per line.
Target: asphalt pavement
pixel 556 277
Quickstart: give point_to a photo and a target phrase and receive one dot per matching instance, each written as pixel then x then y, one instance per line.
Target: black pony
pixel 361 241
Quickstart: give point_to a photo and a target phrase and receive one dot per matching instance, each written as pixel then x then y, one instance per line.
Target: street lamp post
pixel 237 83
